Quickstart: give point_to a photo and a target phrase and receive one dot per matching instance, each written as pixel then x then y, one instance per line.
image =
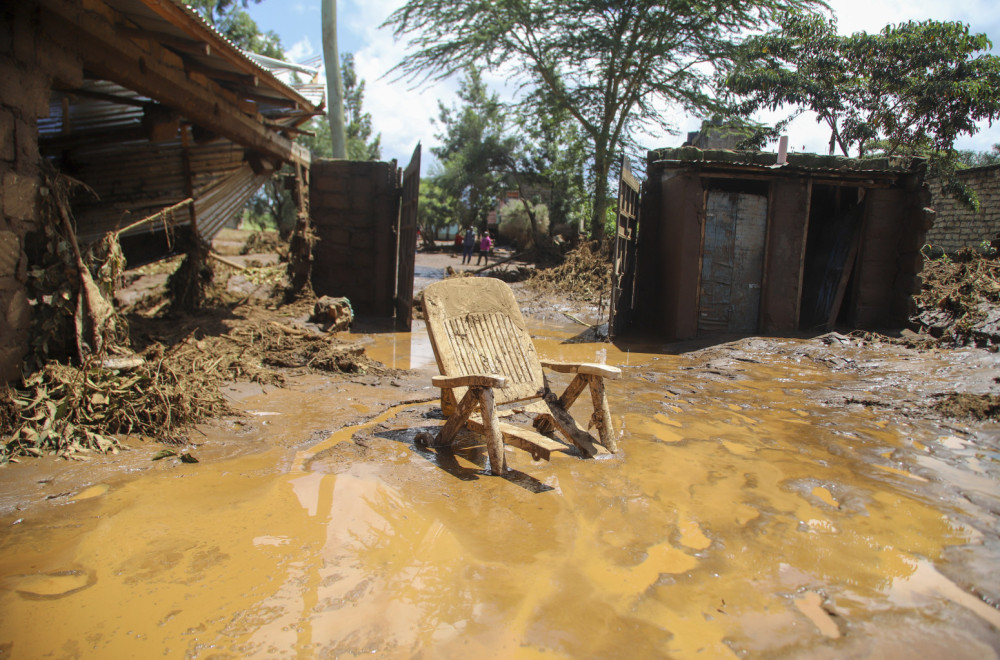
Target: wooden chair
pixel 487 359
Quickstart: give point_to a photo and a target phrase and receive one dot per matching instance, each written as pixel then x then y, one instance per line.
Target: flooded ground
pixel 773 498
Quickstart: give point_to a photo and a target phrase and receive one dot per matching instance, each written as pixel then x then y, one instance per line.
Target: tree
pixel 980 158
pixel 437 209
pixel 555 155
pixel 358 124
pixel 475 149
pixel 608 65
pixel 913 87
pixel 236 25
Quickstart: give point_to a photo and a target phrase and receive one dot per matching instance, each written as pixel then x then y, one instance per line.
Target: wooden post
pixel 602 413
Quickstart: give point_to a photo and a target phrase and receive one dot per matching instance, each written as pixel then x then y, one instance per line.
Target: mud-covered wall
pixel 29 63
pixel 957 226
pixel 354 207
pixel 788 207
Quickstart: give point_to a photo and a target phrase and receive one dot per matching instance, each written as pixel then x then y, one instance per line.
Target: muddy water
pixel 745 516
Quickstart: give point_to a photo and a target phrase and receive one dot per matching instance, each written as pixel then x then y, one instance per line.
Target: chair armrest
pixel 587 368
pixel 472 380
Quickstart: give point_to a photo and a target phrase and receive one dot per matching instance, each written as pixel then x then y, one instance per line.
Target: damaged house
pixel 148 106
pixel 159 116
pixel 740 243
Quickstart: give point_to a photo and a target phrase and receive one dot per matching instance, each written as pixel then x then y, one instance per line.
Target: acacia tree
pixel 610 66
pixel 912 88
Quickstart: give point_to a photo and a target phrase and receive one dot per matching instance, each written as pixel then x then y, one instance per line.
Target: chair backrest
pixel 476 327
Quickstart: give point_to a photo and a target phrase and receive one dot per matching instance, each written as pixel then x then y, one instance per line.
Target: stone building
pixel 957 226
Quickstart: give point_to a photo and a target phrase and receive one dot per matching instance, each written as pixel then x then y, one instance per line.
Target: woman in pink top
pixel 484 248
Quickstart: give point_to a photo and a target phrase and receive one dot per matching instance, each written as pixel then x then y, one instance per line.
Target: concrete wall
pixel 354 208
pixel 957 226
pixel 29 63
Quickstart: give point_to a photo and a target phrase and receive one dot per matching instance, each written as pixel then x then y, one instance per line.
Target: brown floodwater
pixel 746 515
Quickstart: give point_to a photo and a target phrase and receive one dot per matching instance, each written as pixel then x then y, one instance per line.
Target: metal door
pixel 623 274
pixel 732 262
pixel 407 241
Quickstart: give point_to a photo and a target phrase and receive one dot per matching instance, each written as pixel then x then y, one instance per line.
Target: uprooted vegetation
pixel 152 373
pixel 959 303
pixel 172 383
pixel 583 275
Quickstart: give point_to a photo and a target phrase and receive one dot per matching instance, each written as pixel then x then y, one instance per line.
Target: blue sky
pixel 404 115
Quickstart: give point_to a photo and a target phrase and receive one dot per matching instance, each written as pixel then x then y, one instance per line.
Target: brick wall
pixel 957 226
pixel 29 62
pixel 354 208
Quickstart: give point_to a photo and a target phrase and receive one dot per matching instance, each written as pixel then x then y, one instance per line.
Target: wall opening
pixel 835 214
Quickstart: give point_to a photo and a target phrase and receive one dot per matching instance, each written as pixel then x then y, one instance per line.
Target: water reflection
pixel 741 518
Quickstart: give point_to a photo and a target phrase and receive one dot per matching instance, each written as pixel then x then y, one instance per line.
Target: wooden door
pixel 623 273
pixel 407 242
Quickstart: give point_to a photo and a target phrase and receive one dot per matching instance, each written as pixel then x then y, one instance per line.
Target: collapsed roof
pixel 167 109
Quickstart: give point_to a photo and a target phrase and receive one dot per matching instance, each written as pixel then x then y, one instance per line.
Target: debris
pixel 333 313
pixel 963 405
pixel 959 302
pixel 583 275
pixel 228 262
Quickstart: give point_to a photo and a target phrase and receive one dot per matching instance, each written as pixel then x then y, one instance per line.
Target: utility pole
pixel 334 85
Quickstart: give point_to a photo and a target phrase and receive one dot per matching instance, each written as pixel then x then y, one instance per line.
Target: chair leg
pixel 494 438
pixel 573 390
pixel 455 423
pixel 602 413
pixel 545 423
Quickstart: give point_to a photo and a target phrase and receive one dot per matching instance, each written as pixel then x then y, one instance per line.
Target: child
pixel 484 248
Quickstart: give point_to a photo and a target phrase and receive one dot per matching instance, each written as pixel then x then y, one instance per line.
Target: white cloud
pixel 300 51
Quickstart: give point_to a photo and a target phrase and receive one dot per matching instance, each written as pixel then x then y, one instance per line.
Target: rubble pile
pixel 959 303
pixel 583 275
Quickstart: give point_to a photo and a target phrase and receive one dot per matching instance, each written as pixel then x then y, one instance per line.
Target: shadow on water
pixel 470 448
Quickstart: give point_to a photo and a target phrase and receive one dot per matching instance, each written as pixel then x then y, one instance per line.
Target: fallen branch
pixel 497 263
pixel 156 216
pixel 228 262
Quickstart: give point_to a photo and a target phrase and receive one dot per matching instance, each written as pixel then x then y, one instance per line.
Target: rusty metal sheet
pixel 732 262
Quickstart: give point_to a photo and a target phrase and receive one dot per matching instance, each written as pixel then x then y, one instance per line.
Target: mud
pixel 773 498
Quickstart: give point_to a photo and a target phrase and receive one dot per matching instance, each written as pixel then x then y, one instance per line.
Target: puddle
pixel 741 518
pixel 405 350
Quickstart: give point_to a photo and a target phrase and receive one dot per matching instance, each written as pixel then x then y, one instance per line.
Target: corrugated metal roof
pixel 176 20
pixel 101 132
pixel 720 159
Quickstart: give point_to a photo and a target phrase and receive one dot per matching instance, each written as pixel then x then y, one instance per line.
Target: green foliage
pixel 360 143
pixel 475 150
pixel 555 154
pixel 913 86
pixel 609 66
pixel 437 208
pixel 979 158
pixel 236 25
